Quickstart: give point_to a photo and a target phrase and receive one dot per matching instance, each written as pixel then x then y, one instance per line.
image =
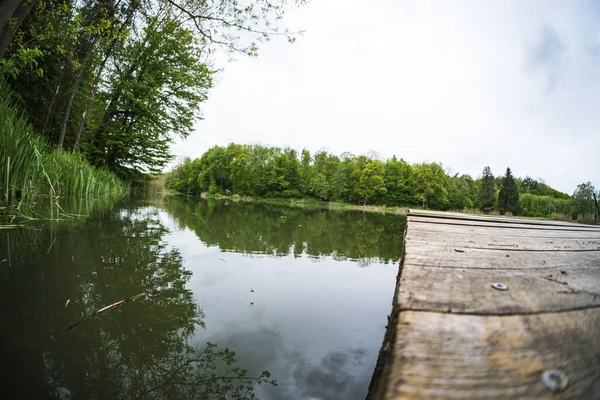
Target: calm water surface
pixel 301 293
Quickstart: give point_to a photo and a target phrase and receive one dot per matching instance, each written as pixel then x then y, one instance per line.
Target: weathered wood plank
pixel 490 218
pixel 446 256
pixel 501 232
pixel 470 290
pixel 453 336
pixel 577 228
pixel 509 243
pixel 490 357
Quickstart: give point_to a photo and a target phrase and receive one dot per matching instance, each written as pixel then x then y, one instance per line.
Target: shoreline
pixel 333 205
pixel 298 203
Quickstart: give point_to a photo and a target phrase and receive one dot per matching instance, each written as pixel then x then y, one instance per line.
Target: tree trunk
pixel 97 79
pixel 98 143
pixel 88 103
pixel 12 15
pixel 50 107
pixel 108 114
pixel 76 83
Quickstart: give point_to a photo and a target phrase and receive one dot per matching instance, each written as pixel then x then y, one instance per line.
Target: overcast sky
pixel 464 83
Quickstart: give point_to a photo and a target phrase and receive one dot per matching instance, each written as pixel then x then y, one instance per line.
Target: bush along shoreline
pixel 34 177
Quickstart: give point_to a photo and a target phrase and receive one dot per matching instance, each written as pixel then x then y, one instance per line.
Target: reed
pixel 31 171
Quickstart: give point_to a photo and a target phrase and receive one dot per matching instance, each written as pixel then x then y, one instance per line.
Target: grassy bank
pixel 33 174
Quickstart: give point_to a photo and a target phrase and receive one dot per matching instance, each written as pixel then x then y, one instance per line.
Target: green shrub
pixel 30 169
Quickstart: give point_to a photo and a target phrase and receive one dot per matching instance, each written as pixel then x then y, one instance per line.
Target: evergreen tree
pixel 487 192
pixel 508 198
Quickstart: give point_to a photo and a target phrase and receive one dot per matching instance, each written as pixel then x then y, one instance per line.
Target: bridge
pixel 493 307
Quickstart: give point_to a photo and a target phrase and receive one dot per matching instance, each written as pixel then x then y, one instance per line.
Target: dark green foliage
pixel 274 172
pixel 31 172
pixel 119 80
pixel 508 198
pixel 431 186
pixel 583 201
pixel 533 205
pixel 462 192
pixel 157 84
pixel 540 188
pixel 487 191
pixel 399 182
pixel 372 182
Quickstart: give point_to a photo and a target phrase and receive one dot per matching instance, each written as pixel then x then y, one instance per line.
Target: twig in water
pixel 112 306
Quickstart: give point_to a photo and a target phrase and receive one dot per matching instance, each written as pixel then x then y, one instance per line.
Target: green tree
pixel 533 205
pixel 372 182
pixel 184 177
pixel 583 201
pixel 123 78
pixel 530 185
pixel 508 198
pixel 347 179
pixel 217 164
pixel 399 183
pixel 12 15
pixel 431 186
pixel 319 187
pixel 323 178
pixel 305 171
pixel 241 181
pixel 157 85
pixel 462 192
pixel 287 167
pixel 487 190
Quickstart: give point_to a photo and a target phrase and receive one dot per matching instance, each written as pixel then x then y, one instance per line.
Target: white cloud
pixel 465 83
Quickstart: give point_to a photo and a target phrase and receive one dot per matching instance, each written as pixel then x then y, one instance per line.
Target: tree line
pixel 118 80
pixel 263 171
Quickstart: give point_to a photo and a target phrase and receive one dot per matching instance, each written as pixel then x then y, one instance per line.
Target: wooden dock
pixel 493 307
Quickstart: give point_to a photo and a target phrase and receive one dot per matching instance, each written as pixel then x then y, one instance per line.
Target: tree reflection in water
pixel 138 351
pixel 281 231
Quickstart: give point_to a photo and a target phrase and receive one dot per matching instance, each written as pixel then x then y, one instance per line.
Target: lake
pixel 302 293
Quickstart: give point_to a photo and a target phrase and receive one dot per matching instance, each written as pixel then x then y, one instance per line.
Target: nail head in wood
pixel 555 380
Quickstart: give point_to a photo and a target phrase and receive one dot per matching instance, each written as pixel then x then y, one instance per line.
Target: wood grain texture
pixel 453 336
pixel 490 218
pixel 467 240
pixel 502 232
pixel 504 225
pixel 439 255
pixel 493 357
pixel 470 290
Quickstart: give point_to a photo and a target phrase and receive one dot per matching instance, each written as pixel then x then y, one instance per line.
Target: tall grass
pixel 31 171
